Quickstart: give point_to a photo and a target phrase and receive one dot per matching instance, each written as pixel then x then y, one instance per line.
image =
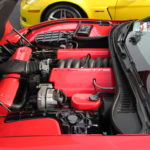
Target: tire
pixel 61 11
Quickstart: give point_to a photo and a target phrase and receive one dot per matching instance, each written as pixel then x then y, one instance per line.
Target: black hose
pixel 96 96
pixel 18 66
pixel 21 96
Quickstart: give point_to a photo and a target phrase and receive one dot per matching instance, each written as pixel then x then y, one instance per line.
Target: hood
pixel 6 7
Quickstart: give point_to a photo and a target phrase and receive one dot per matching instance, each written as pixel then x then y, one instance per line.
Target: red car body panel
pixel 42 126
pixel 74 142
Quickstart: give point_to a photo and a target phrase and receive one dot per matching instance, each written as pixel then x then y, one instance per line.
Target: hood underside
pixel 6 7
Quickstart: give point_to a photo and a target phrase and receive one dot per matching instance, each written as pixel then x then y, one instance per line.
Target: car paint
pixel 108 9
pixel 30 127
pixel 80 142
pixel 94 9
pixel 132 9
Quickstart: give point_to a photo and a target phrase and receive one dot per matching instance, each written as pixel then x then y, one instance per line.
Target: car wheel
pixel 62 11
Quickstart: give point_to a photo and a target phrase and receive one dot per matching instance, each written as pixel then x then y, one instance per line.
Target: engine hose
pixel 87 58
pixel 102 87
pixel 19 66
pixel 21 96
pixel 97 95
pixel 84 63
pixel 92 38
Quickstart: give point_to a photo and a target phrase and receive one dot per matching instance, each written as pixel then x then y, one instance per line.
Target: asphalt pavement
pixel 14 18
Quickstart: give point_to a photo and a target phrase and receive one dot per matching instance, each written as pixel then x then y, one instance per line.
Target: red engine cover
pixel 9 86
pixel 80 80
pixel 83 52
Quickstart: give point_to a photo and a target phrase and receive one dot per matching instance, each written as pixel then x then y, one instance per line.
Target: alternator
pixel 48 97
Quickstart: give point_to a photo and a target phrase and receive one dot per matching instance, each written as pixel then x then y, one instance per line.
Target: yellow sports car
pixel 35 11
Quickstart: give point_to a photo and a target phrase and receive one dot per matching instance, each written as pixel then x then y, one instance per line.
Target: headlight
pixel 29 1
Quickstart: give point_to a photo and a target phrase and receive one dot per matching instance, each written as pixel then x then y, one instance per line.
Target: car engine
pixel 64 74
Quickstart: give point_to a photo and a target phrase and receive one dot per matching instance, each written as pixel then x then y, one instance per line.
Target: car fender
pixel 99 12
pixel 80 3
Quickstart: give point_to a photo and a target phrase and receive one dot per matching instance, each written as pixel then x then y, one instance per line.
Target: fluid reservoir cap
pixel 72 119
pixel 82 102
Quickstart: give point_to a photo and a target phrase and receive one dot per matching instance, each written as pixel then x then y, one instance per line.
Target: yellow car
pixel 36 11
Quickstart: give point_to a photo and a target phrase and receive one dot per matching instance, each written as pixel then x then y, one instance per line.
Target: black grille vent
pixel 127 99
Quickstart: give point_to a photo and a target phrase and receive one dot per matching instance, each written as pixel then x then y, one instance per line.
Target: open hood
pixel 6 7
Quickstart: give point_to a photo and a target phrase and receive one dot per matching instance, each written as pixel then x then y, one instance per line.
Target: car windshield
pixel 138 45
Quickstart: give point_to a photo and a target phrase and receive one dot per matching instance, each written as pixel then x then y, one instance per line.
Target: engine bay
pixel 62 72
